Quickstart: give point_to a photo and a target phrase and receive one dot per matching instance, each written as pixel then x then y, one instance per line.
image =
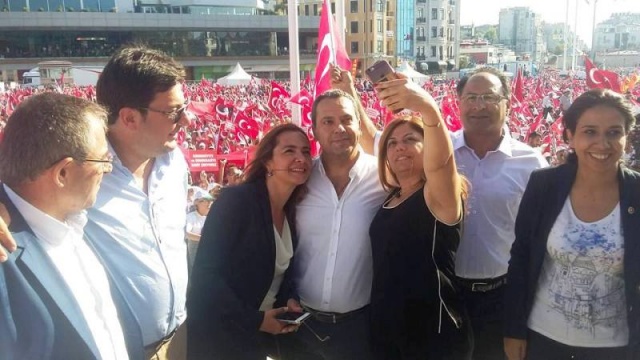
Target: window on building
pixel 434 31
pixel 315 9
pixel 441 14
pixel 354 27
pixel 354 47
pixel 333 8
pixel 434 51
pixel 379 5
pixel 434 14
pixel 380 25
pixel 380 47
pixel 420 12
pixel 306 10
pixel 441 53
pixel 354 6
pixel 441 32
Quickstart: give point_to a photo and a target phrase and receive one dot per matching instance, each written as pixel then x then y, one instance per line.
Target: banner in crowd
pixel 201 160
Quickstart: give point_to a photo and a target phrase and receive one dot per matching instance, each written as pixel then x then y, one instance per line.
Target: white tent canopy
pixel 237 76
pixel 416 76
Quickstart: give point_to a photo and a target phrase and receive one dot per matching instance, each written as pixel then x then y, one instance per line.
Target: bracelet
pixel 432 126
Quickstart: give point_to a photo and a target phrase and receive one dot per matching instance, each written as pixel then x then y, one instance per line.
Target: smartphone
pixel 380 71
pixel 293 318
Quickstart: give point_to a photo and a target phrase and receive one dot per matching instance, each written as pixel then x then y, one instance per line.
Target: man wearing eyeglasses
pixel 498 168
pixel 57 300
pixel 138 222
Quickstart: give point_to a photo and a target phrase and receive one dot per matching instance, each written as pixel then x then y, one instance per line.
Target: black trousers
pixel 349 339
pixel 540 347
pixel 485 311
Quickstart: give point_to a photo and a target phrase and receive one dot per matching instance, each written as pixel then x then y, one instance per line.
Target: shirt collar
pixel 355 169
pixel 459 141
pixel 45 227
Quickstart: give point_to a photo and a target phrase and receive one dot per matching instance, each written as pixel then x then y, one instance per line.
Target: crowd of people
pixel 426 227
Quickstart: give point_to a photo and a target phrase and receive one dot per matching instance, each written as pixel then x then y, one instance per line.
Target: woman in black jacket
pixel 573 285
pixel 240 277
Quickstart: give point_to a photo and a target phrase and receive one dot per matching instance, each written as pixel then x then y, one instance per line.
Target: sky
pixel 481 12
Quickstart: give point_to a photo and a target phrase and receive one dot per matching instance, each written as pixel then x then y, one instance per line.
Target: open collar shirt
pixel 141 238
pixel 498 181
pixel 82 272
pixel 333 262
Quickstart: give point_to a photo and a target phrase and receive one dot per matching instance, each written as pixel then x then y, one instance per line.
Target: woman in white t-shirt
pixel 572 285
pixel 195 222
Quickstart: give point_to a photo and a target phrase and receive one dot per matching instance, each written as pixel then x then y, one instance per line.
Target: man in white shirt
pixel 498 168
pixel 333 265
pixel 57 300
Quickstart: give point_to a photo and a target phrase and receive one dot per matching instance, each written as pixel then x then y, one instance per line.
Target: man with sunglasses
pixel 57 299
pixel 138 222
pixel 498 168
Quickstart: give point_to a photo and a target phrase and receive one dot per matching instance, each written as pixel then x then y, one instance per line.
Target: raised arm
pixel 443 189
pixel 341 79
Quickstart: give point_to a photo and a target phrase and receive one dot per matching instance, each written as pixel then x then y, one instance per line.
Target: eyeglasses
pixel 484 98
pixel 173 115
pixel 107 164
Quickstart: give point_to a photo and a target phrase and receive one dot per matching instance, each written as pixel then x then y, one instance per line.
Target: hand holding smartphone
pixel 379 72
pixel 293 318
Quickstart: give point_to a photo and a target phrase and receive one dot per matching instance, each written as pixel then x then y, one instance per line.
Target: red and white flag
pixel 601 79
pixel 331 50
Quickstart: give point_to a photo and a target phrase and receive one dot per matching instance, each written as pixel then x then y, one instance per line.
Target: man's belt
pixel 332 317
pixel 482 285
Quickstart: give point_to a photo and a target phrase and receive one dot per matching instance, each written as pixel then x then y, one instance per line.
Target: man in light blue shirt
pixel 138 221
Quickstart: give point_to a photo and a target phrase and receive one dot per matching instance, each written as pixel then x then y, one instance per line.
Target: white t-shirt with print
pixel 580 300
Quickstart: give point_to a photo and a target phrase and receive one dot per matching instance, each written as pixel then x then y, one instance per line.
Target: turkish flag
pixel 247 125
pixel 302 98
pixel 331 50
pixel 277 97
pixel 518 87
pixel 601 79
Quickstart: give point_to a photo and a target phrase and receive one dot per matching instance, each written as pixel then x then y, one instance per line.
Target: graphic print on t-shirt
pixel 580 297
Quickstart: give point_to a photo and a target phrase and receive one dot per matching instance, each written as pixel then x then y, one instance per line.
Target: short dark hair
pixel 331 94
pixel 594 98
pixel 133 76
pixel 534 134
pixel 506 88
pixel 44 129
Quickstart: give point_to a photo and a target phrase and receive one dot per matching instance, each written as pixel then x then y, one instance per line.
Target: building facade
pixel 437 33
pixel 620 32
pixel 520 30
pixel 405 30
pixel 209 45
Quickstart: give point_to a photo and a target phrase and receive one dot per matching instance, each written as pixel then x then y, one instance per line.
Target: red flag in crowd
pixel 331 50
pixel 247 125
pixel 450 113
pixel 302 98
pixel 277 97
pixel 518 87
pixel 601 79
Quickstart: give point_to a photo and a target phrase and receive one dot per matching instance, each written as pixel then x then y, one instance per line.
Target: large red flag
pixel 331 50
pixel 601 79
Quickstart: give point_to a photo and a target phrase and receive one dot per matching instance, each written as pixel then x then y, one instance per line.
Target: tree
pixel 491 35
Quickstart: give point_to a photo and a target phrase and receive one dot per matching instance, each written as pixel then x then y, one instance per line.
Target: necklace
pixel 412 189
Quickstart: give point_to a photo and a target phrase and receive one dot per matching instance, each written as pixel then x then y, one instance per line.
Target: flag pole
pixel 566 37
pixel 294 58
pixel 574 60
pixel 340 19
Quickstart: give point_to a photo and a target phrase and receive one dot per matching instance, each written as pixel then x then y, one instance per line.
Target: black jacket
pixel 541 204
pixel 232 273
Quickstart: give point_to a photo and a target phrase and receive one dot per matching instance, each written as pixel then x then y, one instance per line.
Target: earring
pixel 269 173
